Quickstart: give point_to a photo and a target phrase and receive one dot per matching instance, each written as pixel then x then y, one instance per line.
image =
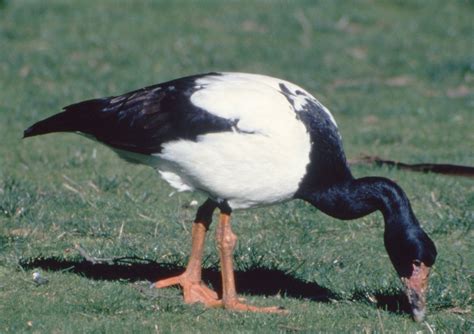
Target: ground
pixel 399 79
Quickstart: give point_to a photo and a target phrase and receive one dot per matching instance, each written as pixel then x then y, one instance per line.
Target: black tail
pixel 76 117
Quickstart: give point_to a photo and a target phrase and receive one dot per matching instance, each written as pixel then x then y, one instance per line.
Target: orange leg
pixel 226 241
pixel 194 290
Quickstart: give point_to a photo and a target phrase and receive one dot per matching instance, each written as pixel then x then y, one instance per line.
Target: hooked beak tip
pixel 419 315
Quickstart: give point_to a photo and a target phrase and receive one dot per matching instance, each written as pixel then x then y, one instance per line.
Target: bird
pixel 245 141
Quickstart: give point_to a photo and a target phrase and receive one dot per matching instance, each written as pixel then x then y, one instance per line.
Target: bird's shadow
pixel 252 281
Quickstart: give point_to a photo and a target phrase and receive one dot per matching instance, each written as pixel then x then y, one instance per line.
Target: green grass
pixel 397 75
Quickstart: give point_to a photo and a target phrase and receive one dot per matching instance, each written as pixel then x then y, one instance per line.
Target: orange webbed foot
pixel 193 291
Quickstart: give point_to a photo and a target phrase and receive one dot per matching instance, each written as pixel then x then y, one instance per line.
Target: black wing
pixel 139 121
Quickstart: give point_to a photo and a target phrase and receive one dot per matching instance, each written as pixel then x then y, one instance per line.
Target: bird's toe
pixel 193 292
pixel 200 293
pixel 236 305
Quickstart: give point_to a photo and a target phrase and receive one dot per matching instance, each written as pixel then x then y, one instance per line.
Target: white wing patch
pixel 300 95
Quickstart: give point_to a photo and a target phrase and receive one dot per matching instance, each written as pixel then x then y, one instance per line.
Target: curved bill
pixel 415 288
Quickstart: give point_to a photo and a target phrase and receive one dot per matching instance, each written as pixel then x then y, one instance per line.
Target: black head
pixel 408 246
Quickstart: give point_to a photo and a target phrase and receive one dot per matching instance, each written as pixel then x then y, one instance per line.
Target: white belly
pixel 247 170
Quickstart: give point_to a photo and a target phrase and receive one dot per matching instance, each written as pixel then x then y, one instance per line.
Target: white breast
pixel 261 162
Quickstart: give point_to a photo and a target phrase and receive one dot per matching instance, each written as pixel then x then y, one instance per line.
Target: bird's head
pixel 413 254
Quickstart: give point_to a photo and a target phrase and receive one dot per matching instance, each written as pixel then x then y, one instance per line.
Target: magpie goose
pixel 247 140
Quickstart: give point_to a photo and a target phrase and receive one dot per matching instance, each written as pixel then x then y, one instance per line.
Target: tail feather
pixel 76 117
pixel 139 121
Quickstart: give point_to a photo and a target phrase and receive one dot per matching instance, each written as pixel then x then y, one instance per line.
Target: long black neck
pixel 355 198
pixel 405 241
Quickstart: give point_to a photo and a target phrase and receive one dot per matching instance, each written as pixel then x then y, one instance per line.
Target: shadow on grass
pixel 391 302
pixel 252 281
